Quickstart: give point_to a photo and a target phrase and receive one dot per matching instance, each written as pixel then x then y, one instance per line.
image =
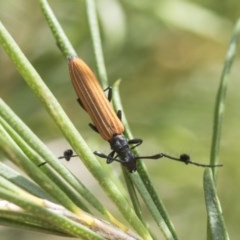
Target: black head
pixel 119 144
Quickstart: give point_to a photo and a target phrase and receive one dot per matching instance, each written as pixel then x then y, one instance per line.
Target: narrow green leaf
pixel 22 182
pixel 152 207
pixel 97 43
pixel 133 195
pixel 28 222
pixel 60 37
pixel 221 97
pixel 216 223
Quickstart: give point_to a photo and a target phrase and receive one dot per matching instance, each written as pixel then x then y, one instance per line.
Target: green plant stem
pixel 144 184
pixel 217 222
pixel 97 43
pixel 61 39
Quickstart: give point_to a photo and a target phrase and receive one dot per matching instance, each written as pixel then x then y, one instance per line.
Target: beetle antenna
pixel 183 158
pixel 68 154
pixel 109 158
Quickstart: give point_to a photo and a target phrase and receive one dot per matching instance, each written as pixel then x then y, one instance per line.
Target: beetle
pixel 106 121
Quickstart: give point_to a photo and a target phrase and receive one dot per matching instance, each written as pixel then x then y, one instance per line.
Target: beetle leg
pixel 109 95
pixel 119 114
pixel 81 104
pixel 93 127
pixel 136 142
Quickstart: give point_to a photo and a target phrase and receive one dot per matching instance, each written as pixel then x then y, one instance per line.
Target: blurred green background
pixel 169 55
